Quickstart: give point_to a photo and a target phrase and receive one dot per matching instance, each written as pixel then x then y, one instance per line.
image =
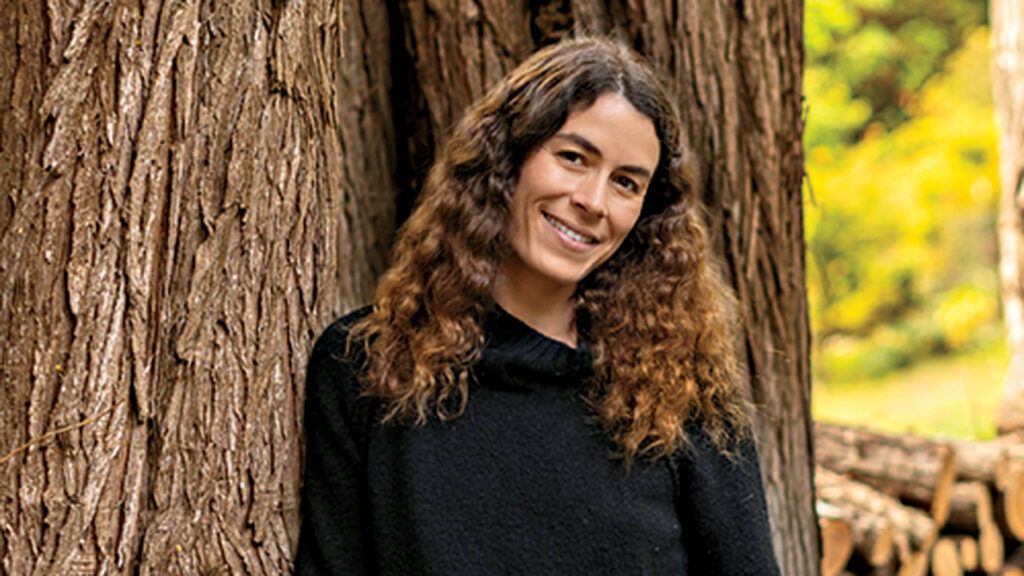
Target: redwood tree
pixel 1007 17
pixel 191 190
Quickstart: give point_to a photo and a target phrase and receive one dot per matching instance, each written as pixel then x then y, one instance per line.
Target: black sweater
pixel 521 483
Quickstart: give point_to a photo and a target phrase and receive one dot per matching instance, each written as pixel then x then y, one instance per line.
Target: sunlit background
pixel 901 208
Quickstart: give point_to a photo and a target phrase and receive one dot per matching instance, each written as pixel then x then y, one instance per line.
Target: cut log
pixel 967 549
pixel 946 558
pixel 914 469
pixel 870 529
pixel 970 506
pixel 879 519
pixel 979 461
pixel 836 539
pixel 876 542
pixel 988 461
pixel 1000 463
pixel 991 549
pixel 1011 501
pixel 916 564
pixel 971 510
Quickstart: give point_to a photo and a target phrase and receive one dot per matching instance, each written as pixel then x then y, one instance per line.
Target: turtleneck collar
pixel 516 349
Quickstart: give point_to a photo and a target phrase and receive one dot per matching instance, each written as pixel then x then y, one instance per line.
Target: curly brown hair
pixel 659 298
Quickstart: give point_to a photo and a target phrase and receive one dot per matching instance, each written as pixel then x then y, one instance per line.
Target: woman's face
pixel 580 193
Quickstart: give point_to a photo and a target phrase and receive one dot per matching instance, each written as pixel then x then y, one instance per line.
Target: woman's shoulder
pixel 334 345
pixel 334 375
pixel 339 330
pixel 738 450
pixel 723 495
pixel 338 416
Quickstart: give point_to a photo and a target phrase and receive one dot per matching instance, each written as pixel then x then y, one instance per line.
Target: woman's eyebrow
pixel 580 141
pixel 595 151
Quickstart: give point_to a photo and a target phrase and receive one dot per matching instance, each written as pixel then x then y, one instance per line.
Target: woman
pixel 545 383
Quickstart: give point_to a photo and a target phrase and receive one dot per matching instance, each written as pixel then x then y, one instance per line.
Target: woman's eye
pixel 574 158
pixel 627 184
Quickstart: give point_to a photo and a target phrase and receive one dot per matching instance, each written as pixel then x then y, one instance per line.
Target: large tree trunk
pixel 1007 17
pixel 735 68
pixel 191 190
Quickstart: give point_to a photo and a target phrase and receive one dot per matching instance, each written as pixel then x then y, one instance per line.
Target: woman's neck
pixel 547 309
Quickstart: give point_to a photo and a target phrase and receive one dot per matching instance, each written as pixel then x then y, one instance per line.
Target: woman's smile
pixel 570 233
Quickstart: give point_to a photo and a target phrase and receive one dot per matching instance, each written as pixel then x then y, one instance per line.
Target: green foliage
pixel 885 350
pixel 874 56
pixel 902 172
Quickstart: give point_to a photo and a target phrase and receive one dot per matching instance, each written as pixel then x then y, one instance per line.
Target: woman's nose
pixel 591 195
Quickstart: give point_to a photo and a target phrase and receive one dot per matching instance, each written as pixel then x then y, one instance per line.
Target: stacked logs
pixel 905 505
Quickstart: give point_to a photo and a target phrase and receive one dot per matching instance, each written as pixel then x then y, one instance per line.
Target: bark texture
pixel 735 69
pixel 192 189
pixel 1007 17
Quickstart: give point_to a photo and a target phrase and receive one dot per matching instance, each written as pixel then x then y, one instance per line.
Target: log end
pixel 946 558
pixel 837 545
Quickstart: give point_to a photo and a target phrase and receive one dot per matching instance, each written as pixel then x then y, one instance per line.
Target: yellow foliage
pixel 962 311
pixel 894 195
pixel 903 221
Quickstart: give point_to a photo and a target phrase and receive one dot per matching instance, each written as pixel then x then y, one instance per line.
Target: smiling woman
pixel 545 382
pixel 578 196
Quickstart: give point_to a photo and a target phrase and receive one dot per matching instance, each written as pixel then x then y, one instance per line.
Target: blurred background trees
pixel 1008 82
pixel 902 204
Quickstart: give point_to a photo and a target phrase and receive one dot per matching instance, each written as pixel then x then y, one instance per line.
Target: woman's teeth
pixel 576 236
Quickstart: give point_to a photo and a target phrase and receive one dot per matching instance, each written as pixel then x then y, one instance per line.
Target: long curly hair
pixel 659 298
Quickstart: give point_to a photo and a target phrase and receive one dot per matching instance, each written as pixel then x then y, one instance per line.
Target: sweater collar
pixel 518 350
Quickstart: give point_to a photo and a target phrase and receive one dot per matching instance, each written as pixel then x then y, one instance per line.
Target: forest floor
pixel 954 396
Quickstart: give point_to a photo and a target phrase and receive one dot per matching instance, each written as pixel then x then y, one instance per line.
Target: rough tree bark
pixel 191 191
pixel 1007 17
pixel 735 68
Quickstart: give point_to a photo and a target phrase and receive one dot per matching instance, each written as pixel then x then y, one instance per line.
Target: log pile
pixel 905 505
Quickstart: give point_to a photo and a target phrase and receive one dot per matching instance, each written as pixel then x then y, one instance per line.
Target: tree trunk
pixel 191 191
pixel 735 68
pixel 1007 17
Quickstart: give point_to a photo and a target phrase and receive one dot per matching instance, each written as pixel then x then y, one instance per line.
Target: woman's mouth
pixel 572 234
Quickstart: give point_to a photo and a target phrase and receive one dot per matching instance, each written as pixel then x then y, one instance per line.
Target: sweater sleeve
pixel 333 536
pixel 723 510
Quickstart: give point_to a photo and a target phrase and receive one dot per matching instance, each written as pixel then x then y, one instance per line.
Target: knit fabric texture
pixel 524 482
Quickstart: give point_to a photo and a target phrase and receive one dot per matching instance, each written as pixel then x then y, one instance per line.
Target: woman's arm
pixel 333 537
pixel 723 510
